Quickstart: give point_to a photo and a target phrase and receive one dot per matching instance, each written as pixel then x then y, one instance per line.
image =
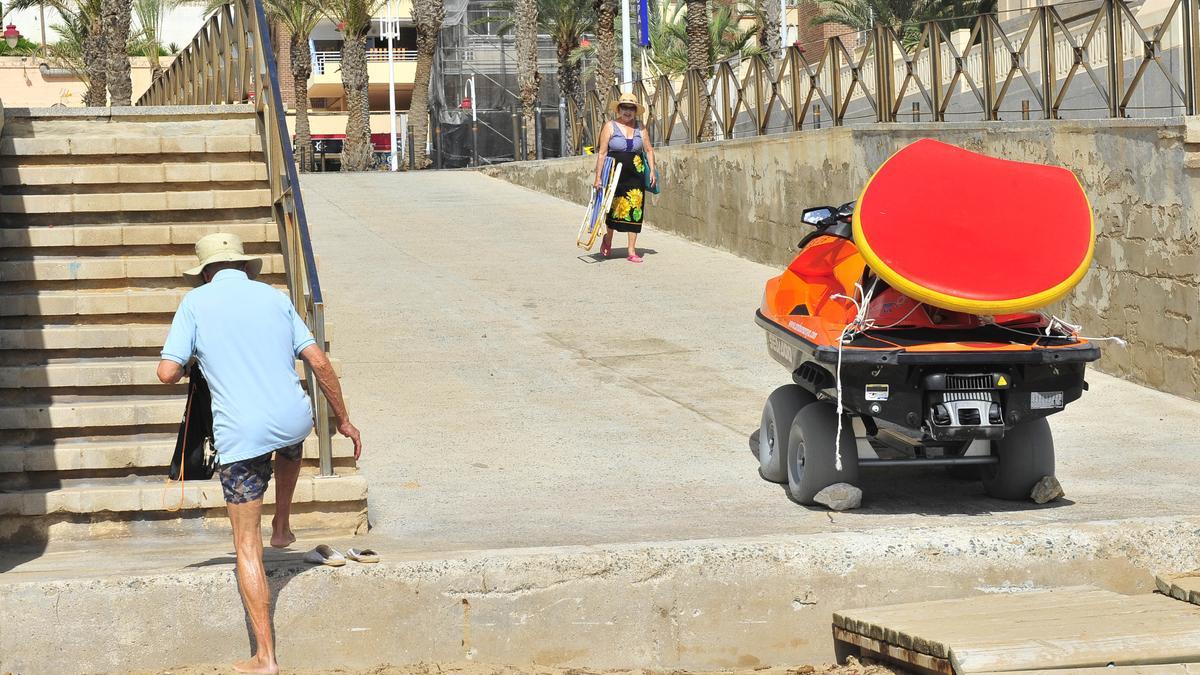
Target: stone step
pixel 142 173
pixel 93 412
pixel 99 336
pixel 113 202
pixel 155 495
pixel 86 141
pixel 89 302
pixel 75 268
pixel 96 372
pixel 131 121
pixel 132 235
pixel 143 451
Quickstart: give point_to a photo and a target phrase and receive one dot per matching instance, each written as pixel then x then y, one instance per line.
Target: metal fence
pixel 230 61
pixel 1045 62
pixel 322 59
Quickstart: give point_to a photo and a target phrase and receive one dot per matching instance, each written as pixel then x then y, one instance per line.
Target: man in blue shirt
pixel 247 336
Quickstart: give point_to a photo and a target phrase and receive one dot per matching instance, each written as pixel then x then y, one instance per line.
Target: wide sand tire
pixel 775 427
pixel 1026 455
pixel 811 456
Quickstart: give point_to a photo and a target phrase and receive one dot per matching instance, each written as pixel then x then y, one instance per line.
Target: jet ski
pixel 912 324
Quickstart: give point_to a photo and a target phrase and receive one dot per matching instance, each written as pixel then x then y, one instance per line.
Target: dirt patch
pixel 853 667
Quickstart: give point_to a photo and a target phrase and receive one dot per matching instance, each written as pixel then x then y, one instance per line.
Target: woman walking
pixel 623 140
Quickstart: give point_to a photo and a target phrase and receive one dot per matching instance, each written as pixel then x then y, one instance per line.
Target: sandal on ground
pixel 635 258
pixel 605 246
pixel 362 555
pixel 325 555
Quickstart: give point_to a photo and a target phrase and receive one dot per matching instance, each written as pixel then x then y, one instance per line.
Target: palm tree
pixel 904 16
pixel 298 18
pixel 353 18
pixel 428 15
pixel 525 18
pixel 700 60
pixel 85 50
pixel 606 45
pixel 116 16
pixel 150 15
pixel 727 38
pixel 566 22
pixel 767 13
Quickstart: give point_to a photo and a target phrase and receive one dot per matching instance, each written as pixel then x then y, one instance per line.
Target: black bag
pixel 194 458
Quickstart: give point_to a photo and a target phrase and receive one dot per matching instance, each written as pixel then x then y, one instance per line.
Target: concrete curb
pixel 696 604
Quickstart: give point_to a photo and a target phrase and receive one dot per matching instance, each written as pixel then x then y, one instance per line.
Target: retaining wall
pixel 746 195
pixel 698 605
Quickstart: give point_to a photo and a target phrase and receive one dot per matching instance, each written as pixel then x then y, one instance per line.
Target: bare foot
pixel 281 539
pixel 256 665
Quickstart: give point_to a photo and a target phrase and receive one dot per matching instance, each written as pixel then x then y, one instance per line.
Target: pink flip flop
pixel 635 258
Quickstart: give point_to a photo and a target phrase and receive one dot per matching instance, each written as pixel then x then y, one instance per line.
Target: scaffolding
pixel 476 63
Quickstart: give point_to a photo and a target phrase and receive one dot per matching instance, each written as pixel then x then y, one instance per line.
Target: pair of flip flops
pixel 331 557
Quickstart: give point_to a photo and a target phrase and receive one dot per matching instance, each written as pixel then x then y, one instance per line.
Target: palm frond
pixel 299 17
pixel 352 16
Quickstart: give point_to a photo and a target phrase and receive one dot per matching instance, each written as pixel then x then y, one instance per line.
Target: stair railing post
pixel 1191 57
pixel 320 406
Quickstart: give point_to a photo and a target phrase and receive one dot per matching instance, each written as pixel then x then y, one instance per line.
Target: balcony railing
pixel 322 59
pixel 231 61
pixel 1044 63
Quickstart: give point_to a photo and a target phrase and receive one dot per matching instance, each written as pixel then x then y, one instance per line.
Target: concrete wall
pixel 746 196
pixel 24 86
pixel 700 605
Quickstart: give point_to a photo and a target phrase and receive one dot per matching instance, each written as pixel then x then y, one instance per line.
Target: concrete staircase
pixel 99 212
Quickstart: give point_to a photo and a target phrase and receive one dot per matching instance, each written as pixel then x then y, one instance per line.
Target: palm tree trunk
pixel 570 86
pixel 356 152
pixel 768 33
pixel 699 49
pixel 526 20
pixel 116 37
pixel 95 59
pixel 301 71
pixel 606 47
pixel 156 69
pixel 428 16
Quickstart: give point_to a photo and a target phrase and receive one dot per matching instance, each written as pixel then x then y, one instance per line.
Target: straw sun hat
pixel 223 247
pixel 626 98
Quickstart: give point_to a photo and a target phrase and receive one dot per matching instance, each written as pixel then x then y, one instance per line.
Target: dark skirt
pixel 629 201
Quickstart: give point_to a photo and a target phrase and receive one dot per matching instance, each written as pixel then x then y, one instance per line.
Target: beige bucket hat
pixel 223 247
pixel 626 98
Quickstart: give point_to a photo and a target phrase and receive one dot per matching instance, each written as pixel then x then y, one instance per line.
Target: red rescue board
pixel 972 233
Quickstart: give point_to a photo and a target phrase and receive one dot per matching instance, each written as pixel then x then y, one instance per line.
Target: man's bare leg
pixel 252 581
pixel 287 471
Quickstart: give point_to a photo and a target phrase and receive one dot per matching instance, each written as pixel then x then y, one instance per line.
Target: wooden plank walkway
pixel 1054 631
pixel 1183 586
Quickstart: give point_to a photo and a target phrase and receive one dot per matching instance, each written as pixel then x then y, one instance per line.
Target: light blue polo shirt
pixel 247 337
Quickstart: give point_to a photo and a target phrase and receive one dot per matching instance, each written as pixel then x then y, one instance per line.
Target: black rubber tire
pixel 1026 455
pixel 811 457
pixel 773 430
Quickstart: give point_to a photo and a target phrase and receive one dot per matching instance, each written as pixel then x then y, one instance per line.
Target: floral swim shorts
pixel 247 480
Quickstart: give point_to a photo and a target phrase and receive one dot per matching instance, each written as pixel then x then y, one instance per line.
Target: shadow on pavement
pixel 617 254
pixel 16 555
pixel 924 491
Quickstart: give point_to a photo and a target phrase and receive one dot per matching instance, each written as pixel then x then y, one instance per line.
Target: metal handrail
pixel 870 76
pixel 320 59
pixel 231 61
